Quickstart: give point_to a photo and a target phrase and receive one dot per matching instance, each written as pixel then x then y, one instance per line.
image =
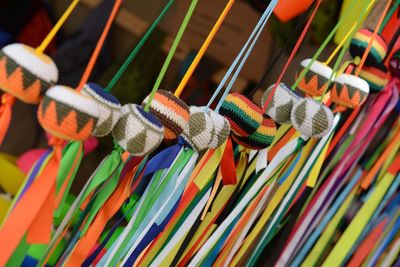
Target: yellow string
pixel 347 36
pixel 40 49
pixel 203 49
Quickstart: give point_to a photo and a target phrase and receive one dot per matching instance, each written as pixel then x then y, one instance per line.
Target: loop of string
pixel 99 45
pixel 46 41
pixel 138 47
pixel 248 47
pixel 171 52
pixel 203 49
pixel 297 46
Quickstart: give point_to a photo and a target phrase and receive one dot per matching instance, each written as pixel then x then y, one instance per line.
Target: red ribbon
pixel 228 169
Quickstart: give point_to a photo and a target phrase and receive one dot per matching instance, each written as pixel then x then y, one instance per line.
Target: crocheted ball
pixel 359 44
pixel 376 77
pixel 109 108
pixel 67 113
pixel 311 118
pixel 26 74
pixel 316 78
pixel 172 112
pixel 394 64
pixel 243 115
pixel 281 104
pixel 137 131
pixel 221 127
pixel 261 138
pixel 200 131
pixel 349 91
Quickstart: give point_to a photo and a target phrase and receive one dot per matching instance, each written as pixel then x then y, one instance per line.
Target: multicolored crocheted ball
pixel 349 91
pixel 243 115
pixel 137 131
pixel 359 44
pixel 281 104
pixel 376 77
pixel 316 78
pixel 221 127
pixel 172 112
pixel 261 138
pixel 109 107
pixel 311 118
pixel 26 74
pixel 394 64
pixel 200 131
pixel 67 113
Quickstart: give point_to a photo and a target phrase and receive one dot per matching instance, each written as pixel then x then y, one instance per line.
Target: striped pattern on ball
pixel 200 131
pixel 172 112
pixel 349 91
pixel 261 138
pixel 25 74
pixel 137 131
pixel 221 127
pixel 316 78
pixel 281 104
pixel 68 114
pixel 359 44
pixel 243 115
pixel 376 77
pixel 311 118
pixel 109 108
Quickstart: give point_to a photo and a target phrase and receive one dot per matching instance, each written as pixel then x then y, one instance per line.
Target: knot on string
pixel 57 144
pixel 7 100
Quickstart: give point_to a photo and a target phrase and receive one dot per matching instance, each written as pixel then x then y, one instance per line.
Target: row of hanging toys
pixel 346 159
pixel 68 115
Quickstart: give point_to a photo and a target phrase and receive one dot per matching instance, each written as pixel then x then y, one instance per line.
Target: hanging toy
pixel 349 91
pixel 109 108
pixel 359 44
pixel 200 131
pixel 394 64
pixel 137 131
pixel 222 129
pixel 316 79
pixel 311 118
pixel 377 77
pixel 281 104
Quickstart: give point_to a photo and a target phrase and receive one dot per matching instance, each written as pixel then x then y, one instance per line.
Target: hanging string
pixel 42 47
pixel 297 46
pixel 138 47
pixel 203 49
pixel 99 46
pixel 171 52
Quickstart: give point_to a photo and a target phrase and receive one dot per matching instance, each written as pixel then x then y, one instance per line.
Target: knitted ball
pixel 261 138
pixel 349 91
pixel 26 74
pixel 281 104
pixel 243 115
pixel 316 78
pixel 376 77
pixel 172 112
pixel 137 131
pixel 221 127
pixel 67 113
pixel 109 108
pixel 200 131
pixel 394 64
pixel 311 118
pixel 359 44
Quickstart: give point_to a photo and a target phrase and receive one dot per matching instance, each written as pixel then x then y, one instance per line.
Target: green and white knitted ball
pixel 221 127
pixel 109 108
pixel 281 104
pixel 200 131
pixel 137 131
pixel 311 118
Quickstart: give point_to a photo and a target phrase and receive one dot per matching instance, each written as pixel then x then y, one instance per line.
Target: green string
pixel 171 53
pixel 325 43
pixel 138 47
pixel 389 15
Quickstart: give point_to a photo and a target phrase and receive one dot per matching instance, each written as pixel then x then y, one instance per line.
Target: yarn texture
pixel 349 91
pixel 316 78
pixel 222 129
pixel 359 44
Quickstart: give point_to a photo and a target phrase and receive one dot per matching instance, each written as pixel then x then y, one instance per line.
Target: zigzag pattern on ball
pixel 20 82
pixel 64 121
pixel 316 78
pixel 243 115
pixel 346 94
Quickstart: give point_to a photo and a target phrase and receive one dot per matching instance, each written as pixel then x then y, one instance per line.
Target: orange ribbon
pixel 7 101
